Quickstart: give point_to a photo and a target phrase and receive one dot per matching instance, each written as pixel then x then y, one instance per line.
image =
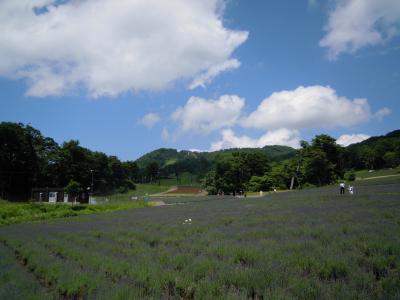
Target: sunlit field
pixel 303 244
pixel 365 174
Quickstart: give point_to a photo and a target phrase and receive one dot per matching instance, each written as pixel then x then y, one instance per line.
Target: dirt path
pixel 383 176
pixel 156 203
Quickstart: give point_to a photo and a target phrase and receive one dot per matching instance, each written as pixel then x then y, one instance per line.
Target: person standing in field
pixel 342 188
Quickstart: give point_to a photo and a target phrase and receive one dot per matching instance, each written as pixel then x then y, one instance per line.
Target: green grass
pixel 185 179
pixel 11 213
pixel 143 189
pixel 309 244
pixel 149 188
pixel 364 174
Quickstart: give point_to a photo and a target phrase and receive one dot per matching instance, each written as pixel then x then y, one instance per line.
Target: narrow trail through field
pixel 377 177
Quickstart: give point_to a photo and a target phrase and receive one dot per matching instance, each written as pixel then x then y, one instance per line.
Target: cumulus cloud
pixel 150 120
pixel 380 114
pixel 354 24
pixel 197 150
pixel 281 136
pixel 205 78
pixel 348 139
pixel 108 47
pixel 203 116
pixel 308 107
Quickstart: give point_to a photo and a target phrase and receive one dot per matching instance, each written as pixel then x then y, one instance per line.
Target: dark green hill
pixel 166 156
pixel 171 160
pixel 375 152
pixel 278 153
pixel 161 156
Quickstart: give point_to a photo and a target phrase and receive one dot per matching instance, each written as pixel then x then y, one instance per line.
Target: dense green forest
pixel 317 163
pixel 28 159
pixel 376 152
pixel 173 162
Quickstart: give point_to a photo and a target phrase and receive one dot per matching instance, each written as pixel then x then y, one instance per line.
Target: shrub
pixel 126 186
pixel 308 185
pixel 350 176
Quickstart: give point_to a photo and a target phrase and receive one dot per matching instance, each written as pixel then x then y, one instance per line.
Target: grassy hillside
pixel 393 136
pixel 194 165
pixel 310 244
pixel 166 156
pixel 12 213
pixel 279 153
pixel 163 156
pixel 365 174
pixel 376 152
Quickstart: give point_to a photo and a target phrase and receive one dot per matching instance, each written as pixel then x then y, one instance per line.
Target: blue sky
pixel 132 77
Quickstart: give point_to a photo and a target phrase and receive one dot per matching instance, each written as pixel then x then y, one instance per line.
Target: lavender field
pixel 305 244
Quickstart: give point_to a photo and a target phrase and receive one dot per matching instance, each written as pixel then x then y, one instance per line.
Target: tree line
pixel 320 162
pixel 28 159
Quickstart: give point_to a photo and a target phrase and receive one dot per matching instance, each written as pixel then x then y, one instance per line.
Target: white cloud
pixel 197 150
pixel 203 116
pixel 348 139
pixel 383 112
pixel 281 136
pixel 213 72
pixel 165 135
pixel 308 107
pixel 150 120
pixel 108 47
pixel 354 24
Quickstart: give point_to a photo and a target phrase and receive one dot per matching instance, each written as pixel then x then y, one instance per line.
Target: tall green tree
pixel 28 159
pixel 131 170
pixel 392 159
pixel 318 170
pixel 73 189
pixel 152 171
pixel 19 162
pixel 322 160
pixel 369 157
pixel 233 171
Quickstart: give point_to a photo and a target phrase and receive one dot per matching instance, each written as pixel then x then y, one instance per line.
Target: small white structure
pixel 92 200
pixel 65 198
pixel 53 197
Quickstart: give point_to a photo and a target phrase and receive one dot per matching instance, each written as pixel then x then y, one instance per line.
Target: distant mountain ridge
pixel 374 140
pixel 193 161
pixel 375 152
pixel 373 149
pixel 169 156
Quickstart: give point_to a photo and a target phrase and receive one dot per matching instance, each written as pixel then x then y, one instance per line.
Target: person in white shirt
pixel 342 188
